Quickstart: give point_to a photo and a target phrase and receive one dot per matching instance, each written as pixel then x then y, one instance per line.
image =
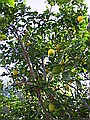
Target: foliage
pixel 38 81
pixel 10 2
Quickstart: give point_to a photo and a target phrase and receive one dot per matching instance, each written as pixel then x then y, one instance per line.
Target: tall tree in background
pixel 49 52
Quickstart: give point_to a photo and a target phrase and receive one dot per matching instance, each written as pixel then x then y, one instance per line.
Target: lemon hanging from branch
pixel 15 72
pixel 51 52
pixel 51 107
pixel 80 19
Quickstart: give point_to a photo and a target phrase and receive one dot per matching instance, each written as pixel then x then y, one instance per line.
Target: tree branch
pixel 43 65
pixel 24 53
pixel 86 105
pixel 27 60
pixel 48 116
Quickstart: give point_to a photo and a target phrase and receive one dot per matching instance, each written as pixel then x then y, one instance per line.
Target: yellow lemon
pixel 28 43
pixel 51 52
pixel 15 72
pixel 51 107
pixel 80 18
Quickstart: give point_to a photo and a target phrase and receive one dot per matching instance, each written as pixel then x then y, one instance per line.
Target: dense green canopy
pixel 49 52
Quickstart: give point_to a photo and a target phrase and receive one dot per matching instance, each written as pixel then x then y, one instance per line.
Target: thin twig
pixel 86 105
pixel 24 53
pixel 23 83
pixel 44 71
pixel 27 60
pixel 48 116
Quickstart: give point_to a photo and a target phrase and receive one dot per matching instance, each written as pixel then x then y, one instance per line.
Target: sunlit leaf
pixel 11 2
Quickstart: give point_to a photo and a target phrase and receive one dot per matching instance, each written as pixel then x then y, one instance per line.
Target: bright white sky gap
pixel 40 5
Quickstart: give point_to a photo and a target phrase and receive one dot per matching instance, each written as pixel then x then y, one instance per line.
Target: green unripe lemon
pixel 51 107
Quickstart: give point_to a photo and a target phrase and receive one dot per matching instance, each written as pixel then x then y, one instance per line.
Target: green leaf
pixel 63 1
pixel 66 75
pixel 39 36
pixel 11 2
pixel 56 69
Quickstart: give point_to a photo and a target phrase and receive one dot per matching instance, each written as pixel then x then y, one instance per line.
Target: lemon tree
pixel 44 56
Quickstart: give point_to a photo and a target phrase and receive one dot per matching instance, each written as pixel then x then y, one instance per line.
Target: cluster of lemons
pixel 51 52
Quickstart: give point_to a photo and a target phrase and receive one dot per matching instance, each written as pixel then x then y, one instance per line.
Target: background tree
pixel 49 52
